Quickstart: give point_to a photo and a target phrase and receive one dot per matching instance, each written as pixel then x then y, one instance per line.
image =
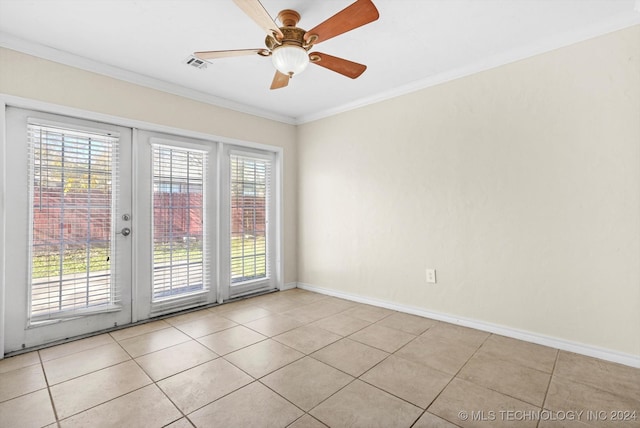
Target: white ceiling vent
pixel 195 62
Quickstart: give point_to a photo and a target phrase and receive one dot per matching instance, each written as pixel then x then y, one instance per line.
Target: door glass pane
pixel 250 188
pixel 72 189
pixel 178 221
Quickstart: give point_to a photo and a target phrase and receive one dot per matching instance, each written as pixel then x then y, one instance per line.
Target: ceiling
pixel 414 44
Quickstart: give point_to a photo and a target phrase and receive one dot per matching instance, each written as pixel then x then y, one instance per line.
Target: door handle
pixel 125 231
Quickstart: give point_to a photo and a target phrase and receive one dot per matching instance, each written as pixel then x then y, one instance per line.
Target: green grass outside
pixel 75 261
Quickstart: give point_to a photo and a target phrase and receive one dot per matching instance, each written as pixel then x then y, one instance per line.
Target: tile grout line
pixel 305 412
pixel 153 382
pixel 354 378
pixel 218 356
pixel 90 372
pixel 546 393
pixel 95 371
pixel 46 381
pixel 129 392
pixel 360 375
pixel 131 358
pixel 400 398
pixel 364 381
pixel 455 376
pixel 584 383
pixel 517 364
pixel 298 359
pixel 254 379
pixel 426 409
pixel 308 323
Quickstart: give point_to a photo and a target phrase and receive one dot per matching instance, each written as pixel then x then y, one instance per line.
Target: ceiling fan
pixel 288 46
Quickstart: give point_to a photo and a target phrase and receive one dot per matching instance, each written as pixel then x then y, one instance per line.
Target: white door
pixel 176 196
pixel 69 229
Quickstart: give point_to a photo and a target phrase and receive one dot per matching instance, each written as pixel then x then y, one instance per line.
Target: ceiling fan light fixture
pixel 290 59
pixel 289 45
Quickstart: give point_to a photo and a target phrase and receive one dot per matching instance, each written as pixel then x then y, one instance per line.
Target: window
pixel 250 206
pixel 72 184
pixel 179 250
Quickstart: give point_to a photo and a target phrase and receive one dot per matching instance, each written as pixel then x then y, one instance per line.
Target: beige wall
pixel 34 78
pixel 520 185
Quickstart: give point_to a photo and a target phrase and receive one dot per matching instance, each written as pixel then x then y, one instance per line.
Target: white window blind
pixel 250 197
pixel 73 186
pixel 179 222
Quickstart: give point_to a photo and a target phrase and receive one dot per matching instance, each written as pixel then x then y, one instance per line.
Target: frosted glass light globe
pixel 290 60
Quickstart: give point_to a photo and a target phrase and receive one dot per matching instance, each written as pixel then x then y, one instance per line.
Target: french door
pixel 109 225
pixel 68 270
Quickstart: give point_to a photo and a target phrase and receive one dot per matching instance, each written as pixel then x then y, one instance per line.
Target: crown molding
pixel 540 47
pixel 17 44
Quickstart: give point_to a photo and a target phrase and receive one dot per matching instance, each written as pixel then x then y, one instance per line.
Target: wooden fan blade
pixel 257 12
pixel 280 80
pixel 358 14
pixel 225 54
pixel 339 65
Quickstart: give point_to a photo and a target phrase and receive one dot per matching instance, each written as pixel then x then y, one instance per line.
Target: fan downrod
pixel 289 17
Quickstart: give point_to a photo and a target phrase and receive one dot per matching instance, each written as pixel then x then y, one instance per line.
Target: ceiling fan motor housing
pixel 289 54
pixel 293 36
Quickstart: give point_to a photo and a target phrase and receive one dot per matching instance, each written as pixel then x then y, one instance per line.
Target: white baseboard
pixel 289 286
pixel 527 336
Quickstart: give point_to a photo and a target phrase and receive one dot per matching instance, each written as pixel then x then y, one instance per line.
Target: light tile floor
pixel 301 359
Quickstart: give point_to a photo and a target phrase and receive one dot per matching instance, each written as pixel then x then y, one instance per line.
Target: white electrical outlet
pixel 431 276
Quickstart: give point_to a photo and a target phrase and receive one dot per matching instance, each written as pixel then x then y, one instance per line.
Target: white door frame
pixel 3 180
pixel 227 289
